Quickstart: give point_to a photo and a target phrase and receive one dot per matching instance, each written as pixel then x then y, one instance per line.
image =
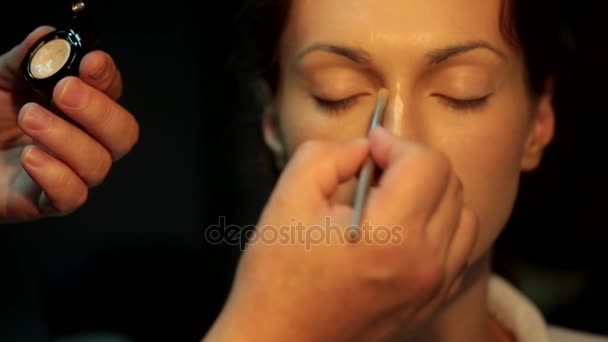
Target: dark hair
pixel 533 26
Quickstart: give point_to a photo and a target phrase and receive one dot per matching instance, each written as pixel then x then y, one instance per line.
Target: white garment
pixel 524 320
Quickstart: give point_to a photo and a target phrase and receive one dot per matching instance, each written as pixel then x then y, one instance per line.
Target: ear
pixel 272 135
pixel 542 128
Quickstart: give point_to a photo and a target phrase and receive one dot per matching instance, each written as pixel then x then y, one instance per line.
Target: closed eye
pixel 464 105
pixel 335 106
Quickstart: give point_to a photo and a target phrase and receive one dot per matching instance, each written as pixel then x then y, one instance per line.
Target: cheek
pixel 487 160
pixel 491 177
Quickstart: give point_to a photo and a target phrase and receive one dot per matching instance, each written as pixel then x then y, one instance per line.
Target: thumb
pixel 10 62
pixel 316 170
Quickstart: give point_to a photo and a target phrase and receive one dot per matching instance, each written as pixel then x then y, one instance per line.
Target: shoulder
pixel 562 334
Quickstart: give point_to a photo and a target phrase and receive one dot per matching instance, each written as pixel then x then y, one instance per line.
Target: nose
pixel 395 116
pixel 401 116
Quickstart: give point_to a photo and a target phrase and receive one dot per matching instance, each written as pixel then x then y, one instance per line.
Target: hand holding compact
pixel 55 146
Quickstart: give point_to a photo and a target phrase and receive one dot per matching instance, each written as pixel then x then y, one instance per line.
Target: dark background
pixel 134 260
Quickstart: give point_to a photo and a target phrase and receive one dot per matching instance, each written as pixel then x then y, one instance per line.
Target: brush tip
pixel 383 92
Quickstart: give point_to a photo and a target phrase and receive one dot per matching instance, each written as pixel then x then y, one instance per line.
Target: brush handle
pixel 367 172
pixel 363 186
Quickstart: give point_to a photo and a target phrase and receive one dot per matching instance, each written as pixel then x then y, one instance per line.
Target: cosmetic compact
pixel 58 53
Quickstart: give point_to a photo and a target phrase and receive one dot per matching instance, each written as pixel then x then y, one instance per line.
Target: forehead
pixel 394 24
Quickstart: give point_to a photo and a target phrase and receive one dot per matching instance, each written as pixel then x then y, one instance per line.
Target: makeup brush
pixel 366 173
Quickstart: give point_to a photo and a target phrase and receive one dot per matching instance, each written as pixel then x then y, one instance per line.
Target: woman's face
pixel 455 85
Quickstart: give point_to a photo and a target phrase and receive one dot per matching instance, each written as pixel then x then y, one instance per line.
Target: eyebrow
pixel 360 56
pixel 437 56
pixel 356 55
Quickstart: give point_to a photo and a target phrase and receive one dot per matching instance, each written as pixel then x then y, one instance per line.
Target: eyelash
pixel 464 105
pixel 335 106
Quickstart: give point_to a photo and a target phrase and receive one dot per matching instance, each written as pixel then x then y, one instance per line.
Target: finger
pixel 98 70
pixel 412 183
pixel 83 154
pixel 10 62
pixel 445 220
pixel 107 121
pixel 64 189
pixel 317 168
pixel 462 246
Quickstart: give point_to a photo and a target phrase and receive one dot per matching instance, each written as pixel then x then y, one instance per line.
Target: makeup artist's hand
pixel 47 165
pixel 409 259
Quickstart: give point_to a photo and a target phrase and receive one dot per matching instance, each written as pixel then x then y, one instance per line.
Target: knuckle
pixel 428 278
pixel 104 115
pixel 63 180
pixel 382 275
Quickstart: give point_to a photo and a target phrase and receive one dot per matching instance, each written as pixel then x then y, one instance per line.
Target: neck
pixel 466 317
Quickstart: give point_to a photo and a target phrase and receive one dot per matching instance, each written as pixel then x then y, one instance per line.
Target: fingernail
pixel 35 118
pixel 72 93
pixel 101 71
pixel 34 157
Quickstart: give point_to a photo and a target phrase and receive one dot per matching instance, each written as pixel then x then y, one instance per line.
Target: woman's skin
pixel 47 164
pixel 463 126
